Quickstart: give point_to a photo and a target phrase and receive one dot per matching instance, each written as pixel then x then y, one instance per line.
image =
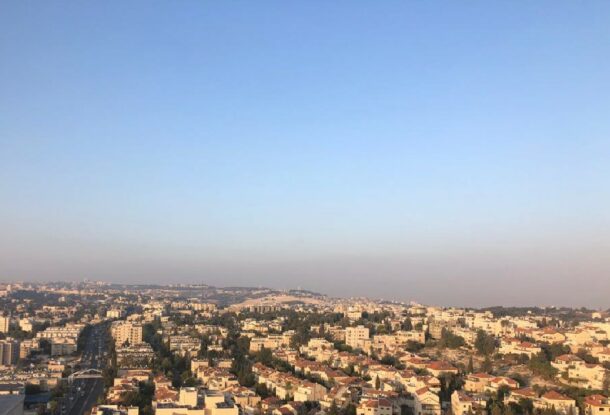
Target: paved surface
pixel 83 393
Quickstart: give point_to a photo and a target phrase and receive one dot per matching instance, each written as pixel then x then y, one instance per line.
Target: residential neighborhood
pixel 103 349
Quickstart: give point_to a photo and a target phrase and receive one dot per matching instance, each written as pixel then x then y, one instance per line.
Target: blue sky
pixel 412 150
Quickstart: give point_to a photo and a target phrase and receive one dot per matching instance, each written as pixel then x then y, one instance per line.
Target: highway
pixel 84 393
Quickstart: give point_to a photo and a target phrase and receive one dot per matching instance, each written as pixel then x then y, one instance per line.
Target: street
pixel 83 393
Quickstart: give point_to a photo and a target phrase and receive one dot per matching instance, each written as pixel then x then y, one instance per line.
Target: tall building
pixel 126 332
pixel 5 322
pixel 9 352
pixel 354 336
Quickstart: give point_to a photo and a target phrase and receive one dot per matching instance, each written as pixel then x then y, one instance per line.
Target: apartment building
pixel 27 346
pixel 126 332
pixel 9 352
pixel 67 331
pixel 5 322
pixel 585 375
pixel 356 336
pixel 61 346
pixel 115 313
pixel 184 344
pixel 136 356
pixel 271 342
pixel 206 307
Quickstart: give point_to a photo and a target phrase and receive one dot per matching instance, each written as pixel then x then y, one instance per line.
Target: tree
pixel 526 405
pixel 262 390
pixel 333 410
pixel 587 357
pixel 485 343
pixel 407 324
pixel 391 361
pixel 502 392
pixel 141 398
pixel 242 346
pixel 350 409
pixel 553 350
pixel 487 365
pixel 187 379
pixel 265 356
pixel 540 366
pixel 31 389
pixel 301 336
pixel 470 365
pixel 450 340
pixel 449 384
pixel 413 346
pixel 45 345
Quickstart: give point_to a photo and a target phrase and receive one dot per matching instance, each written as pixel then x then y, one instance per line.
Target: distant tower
pixel 5 323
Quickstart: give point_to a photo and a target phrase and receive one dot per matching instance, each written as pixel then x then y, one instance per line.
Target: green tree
pixel 333 410
pixel 487 365
pixel 540 366
pixel 262 390
pixel 265 356
pixel 470 368
pixel 449 384
pixel 413 346
pixel 450 340
pixel 350 409
pixel 526 406
pixel 485 343
pixel 31 389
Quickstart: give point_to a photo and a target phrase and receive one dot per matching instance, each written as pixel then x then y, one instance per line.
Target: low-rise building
pixel 518 347
pixel 463 403
pixel 596 405
pixel 374 407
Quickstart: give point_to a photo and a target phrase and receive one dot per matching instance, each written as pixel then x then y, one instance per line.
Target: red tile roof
pixel 556 396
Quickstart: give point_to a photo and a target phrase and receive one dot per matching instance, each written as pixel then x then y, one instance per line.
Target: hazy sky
pixel 446 152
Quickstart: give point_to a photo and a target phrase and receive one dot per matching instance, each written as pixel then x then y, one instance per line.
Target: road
pixel 83 393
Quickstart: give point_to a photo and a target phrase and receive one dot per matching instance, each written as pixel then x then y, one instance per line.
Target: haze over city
pixel 446 152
